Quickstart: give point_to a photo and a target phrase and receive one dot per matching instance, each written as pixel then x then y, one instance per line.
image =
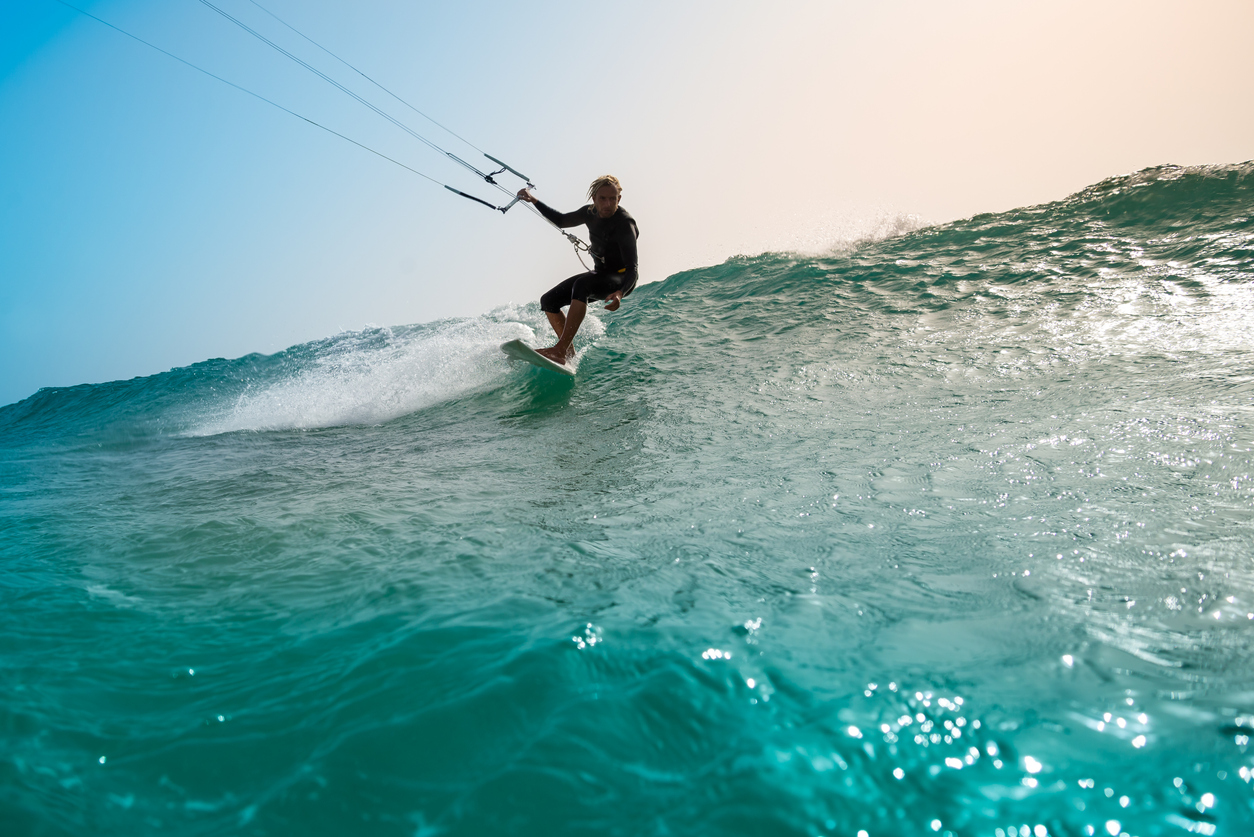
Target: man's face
pixel 605 200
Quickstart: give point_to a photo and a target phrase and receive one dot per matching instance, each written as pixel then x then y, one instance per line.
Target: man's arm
pixel 560 219
pixel 626 240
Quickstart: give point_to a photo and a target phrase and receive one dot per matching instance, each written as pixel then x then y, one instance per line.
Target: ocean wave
pixel 1137 260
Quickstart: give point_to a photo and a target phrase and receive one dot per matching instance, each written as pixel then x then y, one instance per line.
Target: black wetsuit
pixel 613 248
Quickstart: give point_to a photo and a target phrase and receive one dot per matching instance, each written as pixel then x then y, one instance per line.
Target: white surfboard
pixel 519 350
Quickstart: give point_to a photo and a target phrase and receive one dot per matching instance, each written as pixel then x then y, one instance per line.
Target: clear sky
pixel 152 217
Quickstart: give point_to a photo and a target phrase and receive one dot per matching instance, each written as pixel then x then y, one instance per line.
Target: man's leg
pixel 574 317
pixel 556 299
pixel 558 321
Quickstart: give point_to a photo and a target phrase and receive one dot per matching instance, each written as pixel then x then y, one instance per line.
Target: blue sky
pixel 154 217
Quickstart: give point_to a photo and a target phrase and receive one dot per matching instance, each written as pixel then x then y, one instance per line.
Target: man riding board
pixel 612 233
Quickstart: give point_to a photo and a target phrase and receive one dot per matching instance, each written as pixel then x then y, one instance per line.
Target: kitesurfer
pixel 612 233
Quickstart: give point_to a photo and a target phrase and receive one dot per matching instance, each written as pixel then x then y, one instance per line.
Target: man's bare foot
pixel 613 301
pixel 553 354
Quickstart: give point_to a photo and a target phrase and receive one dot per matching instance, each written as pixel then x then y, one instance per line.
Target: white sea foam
pixel 375 375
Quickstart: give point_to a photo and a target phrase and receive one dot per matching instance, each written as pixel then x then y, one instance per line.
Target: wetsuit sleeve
pixel 563 219
pixel 626 240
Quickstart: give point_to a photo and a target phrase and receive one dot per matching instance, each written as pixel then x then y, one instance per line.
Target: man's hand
pixel 524 195
pixel 613 301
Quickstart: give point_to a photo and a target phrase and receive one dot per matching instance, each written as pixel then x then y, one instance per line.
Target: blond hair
pixel 604 180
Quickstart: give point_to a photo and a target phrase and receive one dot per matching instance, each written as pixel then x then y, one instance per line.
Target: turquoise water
pixel 946 533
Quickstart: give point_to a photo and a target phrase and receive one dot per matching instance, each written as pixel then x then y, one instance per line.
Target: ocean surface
pixel 949 532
